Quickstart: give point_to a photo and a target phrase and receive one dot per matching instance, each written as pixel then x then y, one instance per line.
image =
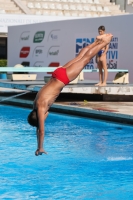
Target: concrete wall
pixel 122 4
pixel 129 8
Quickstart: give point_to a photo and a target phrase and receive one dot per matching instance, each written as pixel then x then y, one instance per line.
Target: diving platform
pixel 82 87
pixel 79 87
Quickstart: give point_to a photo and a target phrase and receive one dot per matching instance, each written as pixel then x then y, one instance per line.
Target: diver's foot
pixel 107 38
pixel 99 37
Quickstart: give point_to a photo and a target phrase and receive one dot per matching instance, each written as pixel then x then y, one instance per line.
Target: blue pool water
pixel 87 159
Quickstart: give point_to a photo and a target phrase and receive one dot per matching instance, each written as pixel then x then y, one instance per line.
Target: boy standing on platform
pixel 101 61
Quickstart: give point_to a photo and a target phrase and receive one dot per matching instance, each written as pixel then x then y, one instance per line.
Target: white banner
pixel 55 43
pixel 14 19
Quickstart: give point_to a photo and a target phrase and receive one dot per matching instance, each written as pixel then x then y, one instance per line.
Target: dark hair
pixel 101 28
pixel 32 118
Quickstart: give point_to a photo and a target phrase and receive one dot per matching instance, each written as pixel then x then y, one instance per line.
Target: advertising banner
pixel 56 43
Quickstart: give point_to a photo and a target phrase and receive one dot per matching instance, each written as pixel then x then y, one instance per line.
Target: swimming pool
pixel 87 159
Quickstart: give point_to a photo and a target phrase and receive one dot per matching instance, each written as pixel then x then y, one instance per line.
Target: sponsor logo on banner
pixel 24 52
pixel 25 63
pixel 53 35
pixel 39 36
pixel 25 36
pixel 53 51
pixel 80 44
pixel 38 64
pixel 53 64
pixel 112 54
pixel 38 51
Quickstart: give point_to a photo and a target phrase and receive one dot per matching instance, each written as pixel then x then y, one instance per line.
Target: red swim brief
pixel 61 75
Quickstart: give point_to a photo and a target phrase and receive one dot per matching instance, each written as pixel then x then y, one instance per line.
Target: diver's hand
pixel 40 152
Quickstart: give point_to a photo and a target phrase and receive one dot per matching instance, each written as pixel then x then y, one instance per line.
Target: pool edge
pixel 77 111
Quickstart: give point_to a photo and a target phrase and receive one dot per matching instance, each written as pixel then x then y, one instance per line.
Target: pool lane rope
pixel 16 95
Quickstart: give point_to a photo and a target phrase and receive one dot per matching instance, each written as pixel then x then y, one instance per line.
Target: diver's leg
pixel 74 69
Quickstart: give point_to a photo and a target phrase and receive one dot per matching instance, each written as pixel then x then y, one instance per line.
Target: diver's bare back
pixel 47 95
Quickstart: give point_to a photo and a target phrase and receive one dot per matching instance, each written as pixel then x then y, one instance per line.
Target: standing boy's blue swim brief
pixel 100 53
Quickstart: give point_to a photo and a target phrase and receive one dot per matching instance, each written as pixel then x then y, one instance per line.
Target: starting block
pixel 21 76
pixel 121 77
